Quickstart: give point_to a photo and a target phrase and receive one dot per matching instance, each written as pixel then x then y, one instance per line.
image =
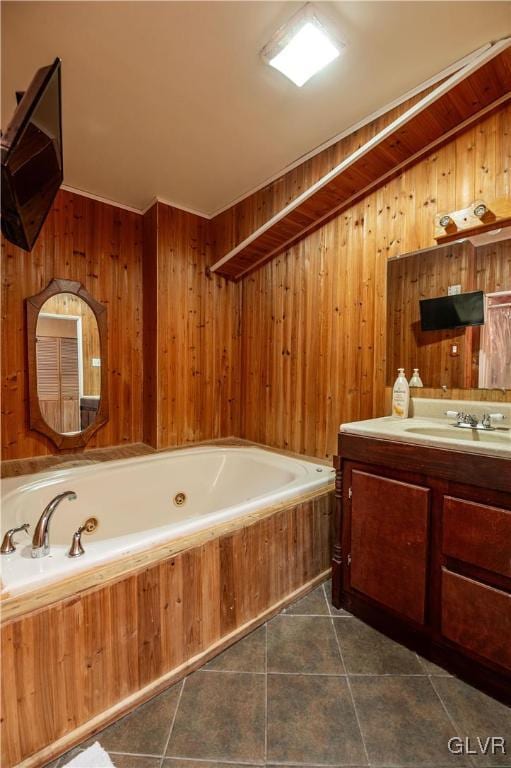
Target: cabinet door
pixel 389 542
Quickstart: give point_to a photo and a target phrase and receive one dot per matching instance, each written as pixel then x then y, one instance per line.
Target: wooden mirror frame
pixel 34 305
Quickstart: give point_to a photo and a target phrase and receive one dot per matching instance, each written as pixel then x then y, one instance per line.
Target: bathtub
pixel 136 503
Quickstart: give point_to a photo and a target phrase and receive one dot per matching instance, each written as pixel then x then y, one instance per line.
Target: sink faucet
pixel 467 420
pixel 472 422
pixel 41 539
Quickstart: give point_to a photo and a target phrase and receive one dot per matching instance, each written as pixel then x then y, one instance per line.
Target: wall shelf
pixel 463 99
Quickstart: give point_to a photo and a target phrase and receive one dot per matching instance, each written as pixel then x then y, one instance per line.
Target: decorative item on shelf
pixel 478 217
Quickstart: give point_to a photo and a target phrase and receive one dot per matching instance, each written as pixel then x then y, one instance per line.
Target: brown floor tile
pixel 303 644
pixel 221 716
pixel 311 720
pixel 247 655
pixel 403 722
pixel 145 731
pixel 171 762
pixel 476 714
pixel 367 652
pixel 313 604
pixel 135 761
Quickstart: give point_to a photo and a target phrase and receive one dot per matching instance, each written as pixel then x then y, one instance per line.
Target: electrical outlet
pixel 454 350
pixel 96 362
pixel 453 290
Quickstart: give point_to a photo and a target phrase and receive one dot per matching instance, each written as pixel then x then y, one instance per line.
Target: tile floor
pixel 313 687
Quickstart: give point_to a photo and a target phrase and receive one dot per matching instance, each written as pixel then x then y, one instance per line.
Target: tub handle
pixel 8 544
pixel 76 548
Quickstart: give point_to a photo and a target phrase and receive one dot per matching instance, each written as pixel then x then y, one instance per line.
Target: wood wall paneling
pixel 100 246
pixel 321 306
pixel 191 334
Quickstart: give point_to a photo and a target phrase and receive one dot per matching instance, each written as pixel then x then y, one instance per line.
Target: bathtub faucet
pixel 41 539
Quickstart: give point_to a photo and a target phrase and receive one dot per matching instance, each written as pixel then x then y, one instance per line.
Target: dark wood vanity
pixel 422 551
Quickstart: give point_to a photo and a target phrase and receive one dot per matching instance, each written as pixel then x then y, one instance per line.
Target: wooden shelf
pixel 466 97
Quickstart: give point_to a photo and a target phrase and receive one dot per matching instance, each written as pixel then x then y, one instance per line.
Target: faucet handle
pixel 76 548
pixel 7 543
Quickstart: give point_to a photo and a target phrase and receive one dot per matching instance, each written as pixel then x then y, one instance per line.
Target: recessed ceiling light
pixel 302 47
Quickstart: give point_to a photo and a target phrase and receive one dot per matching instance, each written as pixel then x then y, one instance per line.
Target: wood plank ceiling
pixel 465 98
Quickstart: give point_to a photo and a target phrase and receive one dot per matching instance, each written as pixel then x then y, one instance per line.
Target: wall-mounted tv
pixel 32 168
pixel 455 311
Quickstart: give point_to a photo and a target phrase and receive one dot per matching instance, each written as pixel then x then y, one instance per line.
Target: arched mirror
pixel 67 350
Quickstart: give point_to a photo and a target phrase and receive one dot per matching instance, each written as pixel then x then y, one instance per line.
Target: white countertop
pixel 436 432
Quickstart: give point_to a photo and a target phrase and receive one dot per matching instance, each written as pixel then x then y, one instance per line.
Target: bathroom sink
pixel 455 433
pixel 430 428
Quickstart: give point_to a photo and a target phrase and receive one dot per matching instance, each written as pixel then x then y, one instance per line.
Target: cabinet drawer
pixel 477 617
pixel 477 534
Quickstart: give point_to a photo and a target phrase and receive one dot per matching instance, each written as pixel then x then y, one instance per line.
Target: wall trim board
pixel 294 216
pixel 432 81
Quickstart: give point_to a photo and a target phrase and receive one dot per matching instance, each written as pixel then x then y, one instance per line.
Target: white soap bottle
pixel 416 380
pixel 400 396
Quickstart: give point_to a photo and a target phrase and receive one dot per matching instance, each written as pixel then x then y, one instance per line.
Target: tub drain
pixel 179 499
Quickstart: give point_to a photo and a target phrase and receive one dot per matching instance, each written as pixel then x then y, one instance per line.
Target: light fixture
pixel 301 47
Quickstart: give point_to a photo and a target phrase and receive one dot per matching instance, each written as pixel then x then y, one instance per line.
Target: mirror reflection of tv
pixel 458 311
pixel 32 167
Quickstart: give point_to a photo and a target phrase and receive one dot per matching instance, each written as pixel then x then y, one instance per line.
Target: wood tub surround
pixel 424 553
pixel 79 656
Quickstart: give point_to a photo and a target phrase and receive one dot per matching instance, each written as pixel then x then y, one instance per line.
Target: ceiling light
pixel 302 47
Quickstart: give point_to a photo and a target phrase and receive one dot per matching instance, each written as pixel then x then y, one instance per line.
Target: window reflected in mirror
pixel 68 363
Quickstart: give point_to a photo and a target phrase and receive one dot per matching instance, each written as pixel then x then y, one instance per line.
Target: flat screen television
pixel 452 311
pixel 32 167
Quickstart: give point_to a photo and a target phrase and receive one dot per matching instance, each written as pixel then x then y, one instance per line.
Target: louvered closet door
pixel 48 382
pixel 69 386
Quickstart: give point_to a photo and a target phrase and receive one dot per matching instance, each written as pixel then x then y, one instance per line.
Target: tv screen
pixel 452 311
pixel 32 168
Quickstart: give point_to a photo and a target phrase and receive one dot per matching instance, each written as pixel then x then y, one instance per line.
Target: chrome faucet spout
pixel 41 539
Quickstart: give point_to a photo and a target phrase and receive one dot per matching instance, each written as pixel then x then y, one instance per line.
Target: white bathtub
pixel 133 499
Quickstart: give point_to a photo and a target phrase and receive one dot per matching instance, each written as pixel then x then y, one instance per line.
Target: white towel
pixel 93 757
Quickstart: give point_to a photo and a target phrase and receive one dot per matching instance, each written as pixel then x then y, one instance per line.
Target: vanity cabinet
pixel 424 553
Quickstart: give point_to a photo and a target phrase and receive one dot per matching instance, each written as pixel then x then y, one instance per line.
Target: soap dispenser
pixel 416 380
pixel 400 396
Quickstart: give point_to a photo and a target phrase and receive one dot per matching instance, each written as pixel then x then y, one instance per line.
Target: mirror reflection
pixel 449 315
pixel 68 361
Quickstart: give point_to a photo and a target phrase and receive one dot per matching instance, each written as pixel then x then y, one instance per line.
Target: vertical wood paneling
pixel 101 246
pixel 191 334
pixel 320 308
